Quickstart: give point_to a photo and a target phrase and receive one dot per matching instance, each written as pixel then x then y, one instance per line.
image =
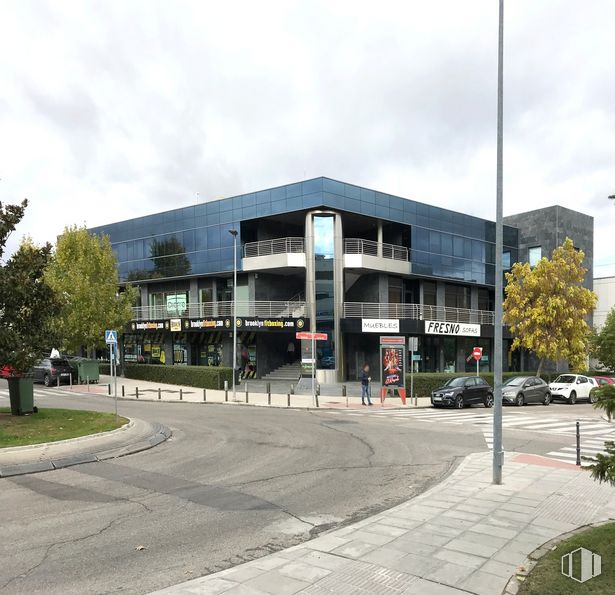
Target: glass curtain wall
pixel 324 252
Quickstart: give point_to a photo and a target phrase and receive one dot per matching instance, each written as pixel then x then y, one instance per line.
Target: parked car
pixel 520 390
pixel 48 370
pixel 461 391
pixel 572 387
pixel 604 380
pixel 6 371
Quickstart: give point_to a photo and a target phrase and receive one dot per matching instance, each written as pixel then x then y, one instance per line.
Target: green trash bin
pixel 88 371
pixel 21 393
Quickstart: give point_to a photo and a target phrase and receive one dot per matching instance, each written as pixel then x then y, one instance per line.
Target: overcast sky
pixel 114 109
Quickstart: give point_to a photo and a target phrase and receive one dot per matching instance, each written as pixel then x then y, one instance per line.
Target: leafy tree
pixel 83 272
pixel 606 399
pixel 27 303
pixel 169 257
pixel 546 306
pixel 604 342
pixel 603 468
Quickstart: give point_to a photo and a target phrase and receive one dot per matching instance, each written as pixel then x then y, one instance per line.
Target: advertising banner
pixel 392 364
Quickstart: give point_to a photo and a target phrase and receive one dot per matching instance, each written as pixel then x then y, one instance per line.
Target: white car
pixel 571 387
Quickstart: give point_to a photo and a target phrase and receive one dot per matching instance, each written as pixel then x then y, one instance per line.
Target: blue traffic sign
pixel 111 337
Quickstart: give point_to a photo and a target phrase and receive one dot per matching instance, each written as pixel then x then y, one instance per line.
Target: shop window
pixel 457 296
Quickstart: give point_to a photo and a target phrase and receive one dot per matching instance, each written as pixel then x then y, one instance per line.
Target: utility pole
pixel 498 455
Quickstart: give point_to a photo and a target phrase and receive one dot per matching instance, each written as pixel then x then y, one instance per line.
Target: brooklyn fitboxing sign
pixel 452 328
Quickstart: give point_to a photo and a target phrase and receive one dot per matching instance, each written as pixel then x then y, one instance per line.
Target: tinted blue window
pixel 248 212
pixel 266 195
pixel 312 200
pixel 278 206
pixel 420 239
pixel 352 191
pixel 237 203
pixel 333 186
pixel 226 217
pixel 333 200
pixel 248 200
pixel 434 241
pixel 293 190
pixel 226 204
pixel 263 210
pixel 351 204
pixel 213 237
pixel 368 195
pixel 446 244
pixel 200 239
pixel 369 209
pixel 382 200
pixel 295 203
pixel 409 206
pixel 310 186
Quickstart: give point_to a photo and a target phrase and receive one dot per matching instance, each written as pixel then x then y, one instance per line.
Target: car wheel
pixel 547 399
pixel 519 400
pixel 488 400
pixel 47 380
pixel 459 404
pixel 593 397
pixel 573 398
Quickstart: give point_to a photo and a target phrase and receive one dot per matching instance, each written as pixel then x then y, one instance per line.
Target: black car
pixel 461 391
pixel 520 390
pixel 48 371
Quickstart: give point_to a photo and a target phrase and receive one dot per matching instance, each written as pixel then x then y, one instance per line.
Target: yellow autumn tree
pixel 546 306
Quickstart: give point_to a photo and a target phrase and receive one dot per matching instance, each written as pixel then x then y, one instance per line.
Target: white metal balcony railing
pixel 417 312
pixel 257 309
pixel 277 246
pixel 371 248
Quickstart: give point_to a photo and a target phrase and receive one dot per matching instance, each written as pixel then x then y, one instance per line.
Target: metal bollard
pixel 159 393
pixel 246 392
pixel 416 401
pixel 269 399
pixel 269 393
pixel 70 380
pixel 58 382
pixel 137 391
pixel 226 390
pixel 344 393
pixel 204 395
pixel 181 394
pixel 87 379
pixel 123 393
pixel 578 444
pixel 317 405
pixel 109 389
pixel 292 389
pixel 288 401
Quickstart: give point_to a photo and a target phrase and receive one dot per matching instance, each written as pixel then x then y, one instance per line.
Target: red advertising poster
pixel 392 365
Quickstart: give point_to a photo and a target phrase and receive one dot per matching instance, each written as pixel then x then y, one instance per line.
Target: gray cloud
pixel 112 109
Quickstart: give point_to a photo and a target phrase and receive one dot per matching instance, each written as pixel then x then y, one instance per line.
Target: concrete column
pixel 338 285
pixel 144 295
pixel 194 291
pixel 380 238
pixel 252 286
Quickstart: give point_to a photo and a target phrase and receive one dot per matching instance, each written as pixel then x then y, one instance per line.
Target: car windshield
pixel 59 362
pixel 455 382
pixel 565 379
pixel 516 381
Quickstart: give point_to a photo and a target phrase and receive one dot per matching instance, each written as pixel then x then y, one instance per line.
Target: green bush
pixel 426 382
pixel 104 369
pixel 198 376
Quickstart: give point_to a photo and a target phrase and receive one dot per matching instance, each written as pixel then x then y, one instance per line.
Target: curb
pixel 160 434
pixel 512 587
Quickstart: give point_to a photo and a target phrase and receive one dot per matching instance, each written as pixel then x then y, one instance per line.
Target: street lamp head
pixel 233 232
pixel 612 197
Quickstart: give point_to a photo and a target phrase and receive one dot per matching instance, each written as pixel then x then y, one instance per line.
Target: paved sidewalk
pixel 135 436
pixel 281 395
pixel 464 535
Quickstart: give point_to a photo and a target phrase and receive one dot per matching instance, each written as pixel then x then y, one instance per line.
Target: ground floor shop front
pixel 265 345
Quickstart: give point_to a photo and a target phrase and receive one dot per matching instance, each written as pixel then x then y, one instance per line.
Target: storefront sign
pixel 271 324
pixel 176 325
pixel 148 325
pixel 380 325
pixel 207 324
pixel 461 329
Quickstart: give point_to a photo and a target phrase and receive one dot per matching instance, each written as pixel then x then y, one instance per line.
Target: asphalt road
pixel 233 483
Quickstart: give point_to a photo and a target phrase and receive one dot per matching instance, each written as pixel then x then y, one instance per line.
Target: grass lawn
pixel 546 577
pixel 49 425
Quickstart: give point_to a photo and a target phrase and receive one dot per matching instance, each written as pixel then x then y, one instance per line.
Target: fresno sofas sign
pixel 455 329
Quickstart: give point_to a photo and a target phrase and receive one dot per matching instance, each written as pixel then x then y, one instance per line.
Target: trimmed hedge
pixel 425 383
pixel 198 376
pixel 104 369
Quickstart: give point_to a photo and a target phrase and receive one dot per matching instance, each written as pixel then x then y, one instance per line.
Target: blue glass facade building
pixel 319 254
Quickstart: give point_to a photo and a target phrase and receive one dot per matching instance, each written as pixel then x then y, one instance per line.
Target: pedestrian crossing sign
pixel 111 337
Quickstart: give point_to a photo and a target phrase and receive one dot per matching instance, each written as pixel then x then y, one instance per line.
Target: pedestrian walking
pixel 365 385
pixel 290 352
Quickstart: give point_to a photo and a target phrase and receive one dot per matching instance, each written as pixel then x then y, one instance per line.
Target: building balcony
pixel 257 309
pixel 417 312
pixel 274 254
pixel 378 256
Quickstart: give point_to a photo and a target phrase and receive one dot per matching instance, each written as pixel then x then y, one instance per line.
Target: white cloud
pixel 112 110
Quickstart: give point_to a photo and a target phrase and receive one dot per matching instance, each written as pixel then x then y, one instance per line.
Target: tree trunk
pixel 539 371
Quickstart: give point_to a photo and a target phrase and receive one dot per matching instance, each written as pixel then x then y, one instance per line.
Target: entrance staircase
pixel 285 372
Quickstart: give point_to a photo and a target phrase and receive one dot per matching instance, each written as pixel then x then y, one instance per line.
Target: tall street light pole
pixel 233 232
pixel 498 455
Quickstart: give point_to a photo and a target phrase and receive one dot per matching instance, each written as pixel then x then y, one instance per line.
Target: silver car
pixel 520 390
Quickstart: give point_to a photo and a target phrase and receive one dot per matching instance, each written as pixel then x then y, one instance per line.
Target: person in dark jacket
pixel 365 380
